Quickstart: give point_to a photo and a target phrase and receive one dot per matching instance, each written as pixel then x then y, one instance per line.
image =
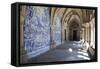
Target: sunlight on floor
pixel 79 49
pixel 85 54
pixel 84 57
pixel 74 44
pixel 70 49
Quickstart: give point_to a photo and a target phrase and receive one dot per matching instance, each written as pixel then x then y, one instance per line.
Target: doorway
pixel 65 34
pixel 75 35
pixel 74 32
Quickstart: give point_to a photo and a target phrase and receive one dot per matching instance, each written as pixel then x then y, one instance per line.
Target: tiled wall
pixel 37 30
pixel 58 31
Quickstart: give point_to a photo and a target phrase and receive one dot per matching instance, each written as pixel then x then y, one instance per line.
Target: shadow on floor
pixel 69 51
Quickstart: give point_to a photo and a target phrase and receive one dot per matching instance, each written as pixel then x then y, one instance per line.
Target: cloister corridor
pixel 50 34
pixel 68 51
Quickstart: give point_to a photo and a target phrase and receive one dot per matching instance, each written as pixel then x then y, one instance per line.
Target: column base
pixel 53 45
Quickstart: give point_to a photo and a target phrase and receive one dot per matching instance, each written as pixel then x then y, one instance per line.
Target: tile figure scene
pixel 50 34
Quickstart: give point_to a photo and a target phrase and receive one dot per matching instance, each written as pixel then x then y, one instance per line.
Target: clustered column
pixel 53 36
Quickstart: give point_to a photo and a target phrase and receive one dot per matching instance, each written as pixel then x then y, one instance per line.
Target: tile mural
pixel 37 30
pixel 58 31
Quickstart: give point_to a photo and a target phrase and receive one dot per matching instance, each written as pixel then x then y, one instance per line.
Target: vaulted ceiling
pixel 66 14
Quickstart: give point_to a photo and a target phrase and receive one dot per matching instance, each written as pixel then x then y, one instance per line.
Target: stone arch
pixel 74 28
pixel 53 16
pixel 57 12
pixel 56 15
pixel 69 12
pixel 74 18
pixel 74 31
pixel 66 18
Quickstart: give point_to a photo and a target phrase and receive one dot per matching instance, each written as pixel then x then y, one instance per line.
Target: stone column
pixel 62 32
pixel 89 34
pixel 53 43
pixel 85 34
pixel 93 32
pixel 67 33
pixel 82 33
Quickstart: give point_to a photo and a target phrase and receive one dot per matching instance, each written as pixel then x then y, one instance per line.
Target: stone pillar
pixel 53 43
pixel 67 33
pixel 62 32
pixel 93 32
pixel 89 34
pixel 85 34
pixel 82 33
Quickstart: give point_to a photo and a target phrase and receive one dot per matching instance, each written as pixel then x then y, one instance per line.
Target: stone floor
pixel 69 51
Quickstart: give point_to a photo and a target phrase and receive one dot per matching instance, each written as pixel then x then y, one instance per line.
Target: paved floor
pixel 69 51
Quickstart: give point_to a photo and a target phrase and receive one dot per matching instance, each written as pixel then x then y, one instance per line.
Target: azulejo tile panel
pixel 37 29
pixel 58 31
